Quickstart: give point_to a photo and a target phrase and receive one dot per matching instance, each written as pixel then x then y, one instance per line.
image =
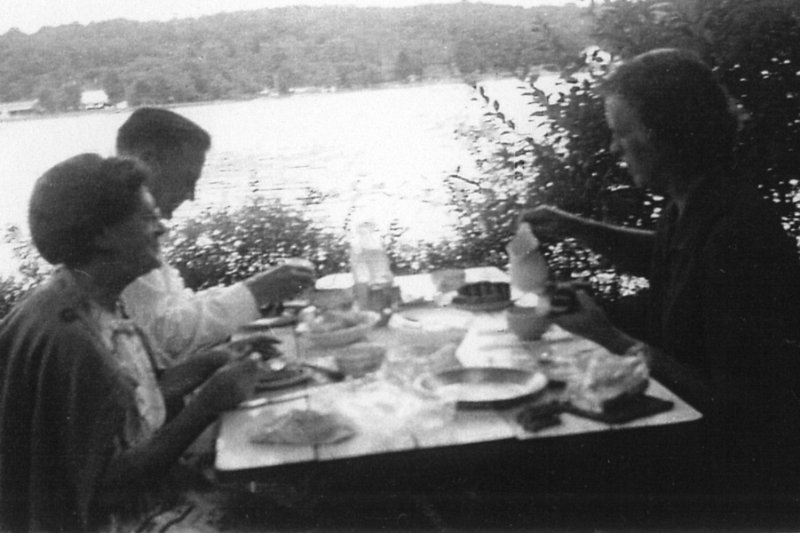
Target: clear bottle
pixel 373 281
pixel 528 268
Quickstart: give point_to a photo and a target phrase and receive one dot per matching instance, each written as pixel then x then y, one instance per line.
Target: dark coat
pixel 725 285
pixel 63 401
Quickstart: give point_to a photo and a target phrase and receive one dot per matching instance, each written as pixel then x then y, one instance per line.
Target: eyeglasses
pixel 152 217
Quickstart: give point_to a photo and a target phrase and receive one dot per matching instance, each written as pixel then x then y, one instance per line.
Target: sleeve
pixel 86 409
pixel 182 321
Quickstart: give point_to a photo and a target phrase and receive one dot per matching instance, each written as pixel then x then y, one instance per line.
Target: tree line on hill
pixel 241 54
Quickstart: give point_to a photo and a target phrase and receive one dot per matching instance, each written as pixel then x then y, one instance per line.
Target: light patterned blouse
pixel 124 340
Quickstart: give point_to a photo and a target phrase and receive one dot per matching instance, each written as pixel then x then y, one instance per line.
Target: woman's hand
pixel 590 321
pixel 265 345
pixel 229 386
pixel 279 283
pixel 218 356
pixel 183 378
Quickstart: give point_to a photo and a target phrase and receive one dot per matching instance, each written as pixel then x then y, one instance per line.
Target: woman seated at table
pixel 724 276
pixel 88 424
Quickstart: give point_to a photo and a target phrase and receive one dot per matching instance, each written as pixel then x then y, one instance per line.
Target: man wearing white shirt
pixel 181 320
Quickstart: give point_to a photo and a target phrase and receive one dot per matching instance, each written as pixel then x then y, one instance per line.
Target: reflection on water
pixel 385 151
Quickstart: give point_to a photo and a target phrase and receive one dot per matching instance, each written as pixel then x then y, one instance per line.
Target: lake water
pixel 384 151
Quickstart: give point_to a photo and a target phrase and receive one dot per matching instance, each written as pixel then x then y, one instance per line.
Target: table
pixel 486 343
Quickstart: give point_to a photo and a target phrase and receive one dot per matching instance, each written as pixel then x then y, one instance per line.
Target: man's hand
pixel 590 321
pixel 279 283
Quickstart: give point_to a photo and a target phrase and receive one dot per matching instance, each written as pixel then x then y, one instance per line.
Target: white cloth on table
pixel 182 321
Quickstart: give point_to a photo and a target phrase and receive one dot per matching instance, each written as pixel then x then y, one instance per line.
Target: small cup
pixel 527 323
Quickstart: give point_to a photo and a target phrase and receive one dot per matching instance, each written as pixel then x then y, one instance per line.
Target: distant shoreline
pixel 312 90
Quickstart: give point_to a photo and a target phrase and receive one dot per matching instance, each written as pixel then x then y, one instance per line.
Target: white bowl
pixel 345 336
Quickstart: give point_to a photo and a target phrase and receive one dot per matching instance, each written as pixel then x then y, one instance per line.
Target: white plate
pixel 484 387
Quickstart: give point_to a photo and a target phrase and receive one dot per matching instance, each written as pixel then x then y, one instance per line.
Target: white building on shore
pixel 94 99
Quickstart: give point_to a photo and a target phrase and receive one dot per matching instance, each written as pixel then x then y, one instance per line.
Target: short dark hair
pixel 161 130
pixel 73 202
pixel 680 101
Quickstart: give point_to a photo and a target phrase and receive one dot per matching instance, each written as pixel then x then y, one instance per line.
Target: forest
pixel 242 54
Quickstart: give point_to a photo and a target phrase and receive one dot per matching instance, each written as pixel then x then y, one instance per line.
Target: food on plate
pixel 333 328
pixel 482 292
pixel 334 319
pixel 305 427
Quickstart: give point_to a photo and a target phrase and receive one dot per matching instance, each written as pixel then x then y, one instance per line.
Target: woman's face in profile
pixel 135 241
pixel 632 141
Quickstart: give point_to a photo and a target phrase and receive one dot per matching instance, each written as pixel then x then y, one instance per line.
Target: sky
pixel 30 15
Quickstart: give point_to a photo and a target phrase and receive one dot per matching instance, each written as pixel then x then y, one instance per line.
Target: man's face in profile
pixel 177 175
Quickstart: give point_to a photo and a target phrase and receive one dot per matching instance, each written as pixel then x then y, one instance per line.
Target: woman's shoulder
pixel 53 309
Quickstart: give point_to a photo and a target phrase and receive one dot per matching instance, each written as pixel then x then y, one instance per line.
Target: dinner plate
pixel 287 377
pixel 485 387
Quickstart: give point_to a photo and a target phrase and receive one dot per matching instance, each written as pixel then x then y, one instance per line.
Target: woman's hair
pixel 678 98
pixel 160 130
pixel 73 202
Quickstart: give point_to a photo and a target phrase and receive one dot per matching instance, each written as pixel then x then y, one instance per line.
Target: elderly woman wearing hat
pixel 87 418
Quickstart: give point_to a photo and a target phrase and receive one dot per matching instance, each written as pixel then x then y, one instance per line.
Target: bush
pixel 564 162
pixel 222 247
pixel 754 45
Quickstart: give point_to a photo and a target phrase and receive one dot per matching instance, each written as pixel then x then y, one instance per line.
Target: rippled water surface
pixel 387 148
pixel 386 151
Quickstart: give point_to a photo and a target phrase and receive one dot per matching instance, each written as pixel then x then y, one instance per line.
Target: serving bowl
pixel 345 336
